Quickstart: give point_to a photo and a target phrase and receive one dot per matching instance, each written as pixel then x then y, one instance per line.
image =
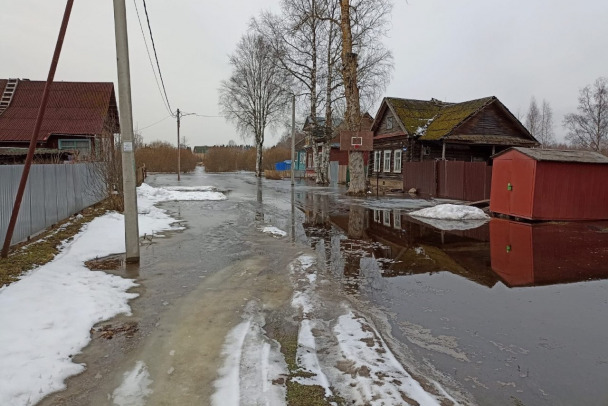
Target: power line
pixel 156 57
pixel 150 58
pixel 153 124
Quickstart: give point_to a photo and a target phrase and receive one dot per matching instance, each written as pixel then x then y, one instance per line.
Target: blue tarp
pixel 283 166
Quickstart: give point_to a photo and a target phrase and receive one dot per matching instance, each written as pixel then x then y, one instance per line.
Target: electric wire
pixel 153 124
pixel 150 58
pixel 156 57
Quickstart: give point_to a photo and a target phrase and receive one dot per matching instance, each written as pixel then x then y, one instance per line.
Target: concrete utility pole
pixel 41 110
pixel 293 136
pixel 126 126
pixel 178 149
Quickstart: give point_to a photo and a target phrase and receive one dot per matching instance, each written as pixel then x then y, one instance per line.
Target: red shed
pixel 545 184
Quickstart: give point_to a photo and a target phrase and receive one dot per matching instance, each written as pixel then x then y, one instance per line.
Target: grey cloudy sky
pixel 452 50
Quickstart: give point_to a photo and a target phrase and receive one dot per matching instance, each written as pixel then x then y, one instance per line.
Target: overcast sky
pixel 453 50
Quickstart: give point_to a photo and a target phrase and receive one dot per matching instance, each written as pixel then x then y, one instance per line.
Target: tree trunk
pixel 352 116
pixel 258 159
pixel 325 150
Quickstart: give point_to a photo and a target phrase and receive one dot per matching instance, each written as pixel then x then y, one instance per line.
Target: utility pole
pixel 37 125
pixel 293 136
pixel 126 125
pixel 178 149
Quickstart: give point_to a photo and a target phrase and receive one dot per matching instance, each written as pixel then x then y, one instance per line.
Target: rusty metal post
pixel 39 117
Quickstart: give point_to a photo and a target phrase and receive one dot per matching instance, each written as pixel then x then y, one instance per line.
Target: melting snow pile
pixel 274 231
pixel 46 316
pixel 452 217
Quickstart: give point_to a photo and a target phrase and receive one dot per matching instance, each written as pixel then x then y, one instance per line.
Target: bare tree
pixel 254 96
pixel 533 118
pixel 546 135
pixel 589 127
pixel 295 36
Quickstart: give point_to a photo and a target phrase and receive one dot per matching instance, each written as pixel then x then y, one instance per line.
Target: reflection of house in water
pixel 548 253
pixel 417 248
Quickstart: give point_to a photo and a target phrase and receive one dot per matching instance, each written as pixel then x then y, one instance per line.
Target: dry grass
pixel 231 159
pixel 162 157
pixel 44 247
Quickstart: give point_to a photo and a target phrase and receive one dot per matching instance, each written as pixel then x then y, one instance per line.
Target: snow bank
pixel 451 212
pixel 46 316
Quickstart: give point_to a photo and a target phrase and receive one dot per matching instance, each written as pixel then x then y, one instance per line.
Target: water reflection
pixel 361 245
pixel 548 253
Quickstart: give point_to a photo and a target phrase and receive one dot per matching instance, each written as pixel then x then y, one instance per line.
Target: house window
pixel 397 166
pixel 81 147
pixel 386 216
pixel 377 158
pixel 389 123
pixel 397 219
pixel 387 161
pixel 377 216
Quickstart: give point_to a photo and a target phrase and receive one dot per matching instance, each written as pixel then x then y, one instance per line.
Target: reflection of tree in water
pixel 259 211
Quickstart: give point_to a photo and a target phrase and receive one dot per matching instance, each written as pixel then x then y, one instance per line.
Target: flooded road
pixel 502 314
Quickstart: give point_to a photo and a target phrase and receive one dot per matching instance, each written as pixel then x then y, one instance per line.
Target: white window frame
pixel 387 160
pixel 377 216
pixel 386 217
pixel 389 123
pixel 397 219
pixel 397 169
pixel 377 157
pixel 80 145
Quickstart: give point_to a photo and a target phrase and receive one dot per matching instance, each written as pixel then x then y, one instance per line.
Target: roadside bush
pixel 162 157
pixel 230 159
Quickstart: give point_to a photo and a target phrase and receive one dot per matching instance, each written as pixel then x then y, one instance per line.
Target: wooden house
pixel 408 131
pixel 79 117
pixel 545 184
pixel 338 160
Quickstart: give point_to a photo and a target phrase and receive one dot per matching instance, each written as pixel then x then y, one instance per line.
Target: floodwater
pixel 514 312
pixel 506 313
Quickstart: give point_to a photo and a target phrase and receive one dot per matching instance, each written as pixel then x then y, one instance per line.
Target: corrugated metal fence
pixel 459 180
pixel 53 193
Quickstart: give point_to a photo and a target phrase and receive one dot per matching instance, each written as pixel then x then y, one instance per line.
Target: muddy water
pixel 453 304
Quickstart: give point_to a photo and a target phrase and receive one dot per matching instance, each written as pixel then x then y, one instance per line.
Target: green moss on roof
pixel 432 120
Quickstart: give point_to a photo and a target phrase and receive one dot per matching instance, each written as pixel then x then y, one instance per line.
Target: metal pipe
pixel 39 117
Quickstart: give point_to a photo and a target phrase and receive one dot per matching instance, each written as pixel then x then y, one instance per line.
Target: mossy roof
pixel 434 119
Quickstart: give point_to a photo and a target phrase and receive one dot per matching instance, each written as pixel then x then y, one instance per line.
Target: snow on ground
pixel 252 365
pixel 451 212
pixel 135 387
pixel 448 225
pixel 274 231
pixel 47 315
pixel 355 362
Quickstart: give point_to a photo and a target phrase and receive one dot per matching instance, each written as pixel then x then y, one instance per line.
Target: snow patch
pixel 47 315
pixel 135 387
pixel 274 231
pixel 451 212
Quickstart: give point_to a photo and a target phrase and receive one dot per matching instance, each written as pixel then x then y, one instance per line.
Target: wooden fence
pixel 459 180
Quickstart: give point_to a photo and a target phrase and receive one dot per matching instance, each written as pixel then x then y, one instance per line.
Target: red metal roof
pixel 74 108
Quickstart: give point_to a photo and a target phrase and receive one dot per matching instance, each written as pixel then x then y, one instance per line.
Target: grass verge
pixel 43 248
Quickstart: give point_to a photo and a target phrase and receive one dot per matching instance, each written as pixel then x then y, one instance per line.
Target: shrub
pixel 162 157
pixel 230 159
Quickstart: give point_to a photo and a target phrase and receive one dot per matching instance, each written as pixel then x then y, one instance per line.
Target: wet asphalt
pixel 522 329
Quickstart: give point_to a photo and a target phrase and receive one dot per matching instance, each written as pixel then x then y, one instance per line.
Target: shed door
pixel 500 196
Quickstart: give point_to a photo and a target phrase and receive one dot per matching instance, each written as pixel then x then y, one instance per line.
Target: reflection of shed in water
pixel 549 253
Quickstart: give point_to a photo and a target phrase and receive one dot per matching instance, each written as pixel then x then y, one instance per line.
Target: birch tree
pixel 546 134
pixel 589 127
pixel 254 96
pixel 533 117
